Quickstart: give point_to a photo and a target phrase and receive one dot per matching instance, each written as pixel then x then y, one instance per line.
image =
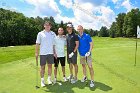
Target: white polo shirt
pixel 60 43
pixel 46 41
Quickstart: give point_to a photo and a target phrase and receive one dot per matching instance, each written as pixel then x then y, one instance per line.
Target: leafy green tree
pixel 131 21
pixel 103 32
pixel 119 24
pixel 113 30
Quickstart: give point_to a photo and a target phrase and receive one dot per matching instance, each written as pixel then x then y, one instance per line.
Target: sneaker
pixel 70 77
pixel 74 80
pixel 49 81
pixel 54 80
pixel 84 79
pixel 42 84
pixel 91 84
pixel 65 79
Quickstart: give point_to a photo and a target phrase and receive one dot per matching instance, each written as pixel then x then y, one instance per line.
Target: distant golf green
pixel 113 65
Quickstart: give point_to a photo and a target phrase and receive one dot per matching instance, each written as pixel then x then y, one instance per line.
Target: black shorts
pixel 59 59
pixel 72 60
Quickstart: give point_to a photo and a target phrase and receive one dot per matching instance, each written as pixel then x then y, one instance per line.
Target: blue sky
pixel 89 13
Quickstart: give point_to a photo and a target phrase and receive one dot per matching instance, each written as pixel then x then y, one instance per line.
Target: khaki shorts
pixel 83 60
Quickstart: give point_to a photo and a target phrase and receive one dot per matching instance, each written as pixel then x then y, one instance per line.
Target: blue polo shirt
pixel 84 44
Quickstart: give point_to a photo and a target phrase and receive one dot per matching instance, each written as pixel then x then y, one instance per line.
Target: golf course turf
pixel 113 62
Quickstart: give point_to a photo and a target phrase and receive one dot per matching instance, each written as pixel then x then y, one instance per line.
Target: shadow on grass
pixel 67 87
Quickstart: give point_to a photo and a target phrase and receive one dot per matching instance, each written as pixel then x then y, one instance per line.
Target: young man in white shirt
pixel 45 39
pixel 60 43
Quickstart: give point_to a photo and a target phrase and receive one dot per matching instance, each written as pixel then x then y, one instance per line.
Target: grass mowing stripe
pixel 9 54
pixel 113 63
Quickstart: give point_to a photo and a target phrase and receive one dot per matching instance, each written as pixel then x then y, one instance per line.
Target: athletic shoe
pixel 65 79
pixel 42 83
pixel 70 77
pixel 74 80
pixel 49 81
pixel 84 79
pixel 91 83
pixel 54 80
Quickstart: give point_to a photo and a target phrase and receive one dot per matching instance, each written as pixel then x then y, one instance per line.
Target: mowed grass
pixel 113 61
pixel 12 53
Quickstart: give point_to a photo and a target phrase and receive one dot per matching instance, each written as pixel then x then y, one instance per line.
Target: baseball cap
pixel 69 25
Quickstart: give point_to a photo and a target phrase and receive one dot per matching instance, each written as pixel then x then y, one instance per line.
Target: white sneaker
pixel 84 79
pixel 65 79
pixel 74 80
pixel 91 84
pixel 54 80
pixel 49 81
pixel 42 84
pixel 70 77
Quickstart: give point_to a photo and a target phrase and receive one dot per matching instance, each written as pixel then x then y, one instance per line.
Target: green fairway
pixel 113 65
pixel 9 54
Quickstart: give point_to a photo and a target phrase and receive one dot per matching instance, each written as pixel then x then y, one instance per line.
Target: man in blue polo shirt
pixel 85 49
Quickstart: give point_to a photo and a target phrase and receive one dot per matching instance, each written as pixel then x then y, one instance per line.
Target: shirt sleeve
pixel 76 38
pixel 89 38
pixel 38 40
pixel 65 41
pixel 54 41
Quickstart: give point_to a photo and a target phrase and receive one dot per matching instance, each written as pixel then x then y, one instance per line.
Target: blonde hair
pixel 80 26
pixel 48 22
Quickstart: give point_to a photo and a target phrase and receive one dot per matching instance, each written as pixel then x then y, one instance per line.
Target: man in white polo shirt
pixel 45 39
pixel 60 43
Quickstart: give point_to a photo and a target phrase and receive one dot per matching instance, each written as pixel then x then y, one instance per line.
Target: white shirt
pixel 46 41
pixel 60 43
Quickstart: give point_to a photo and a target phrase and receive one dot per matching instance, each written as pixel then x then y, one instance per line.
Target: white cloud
pixel 66 3
pixel 85 15
pixel 127 4
pixel 44 7
pixel 115 1
pixel 83 12
pixel 94 2
pixel 108 15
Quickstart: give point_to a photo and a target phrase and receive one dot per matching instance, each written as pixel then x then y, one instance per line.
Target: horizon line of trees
pixel 17 29
pixel 124 26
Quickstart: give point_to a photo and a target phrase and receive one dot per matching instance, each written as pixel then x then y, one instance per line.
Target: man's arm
pixel 77 45
pixel 75 49
pixel 36 52
pixel 91 46
pixel 54 52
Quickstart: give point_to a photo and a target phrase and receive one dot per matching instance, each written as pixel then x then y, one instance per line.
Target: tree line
pixel 125 25
pixel 17 29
